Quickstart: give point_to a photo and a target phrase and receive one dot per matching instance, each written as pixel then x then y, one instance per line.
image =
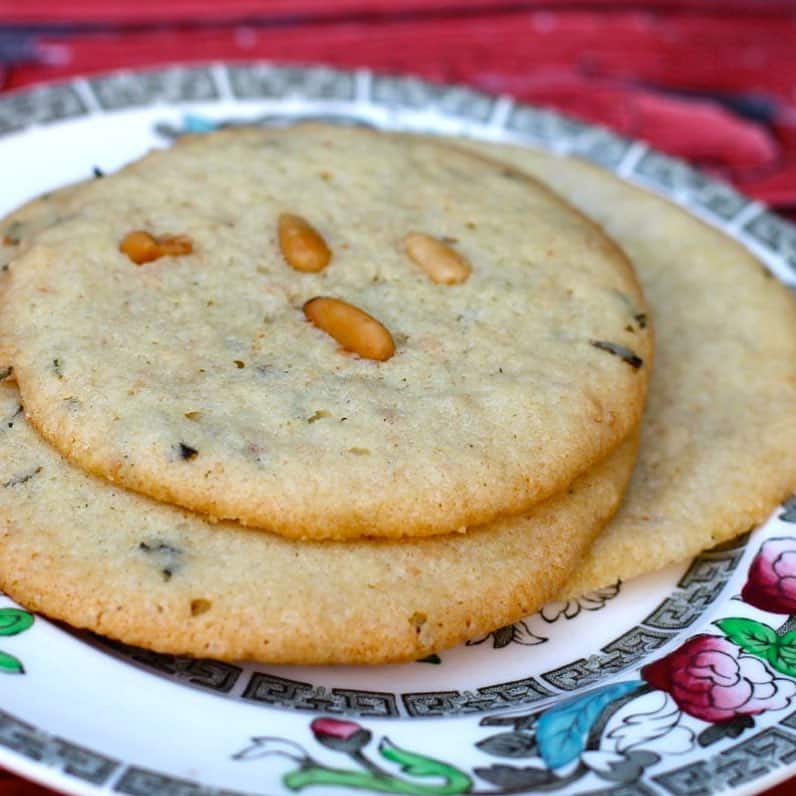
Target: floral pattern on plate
pixel 710 688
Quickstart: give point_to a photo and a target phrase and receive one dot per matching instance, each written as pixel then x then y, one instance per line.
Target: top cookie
pixel 197 377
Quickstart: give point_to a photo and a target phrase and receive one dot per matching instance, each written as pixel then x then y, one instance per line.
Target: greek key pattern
pixel 614 658
pixel 32 743
pixel 279 691
pixel 261 81
pixel 541 126
pixel 143 782
pixel 208 674
pixel 674 176
pixel 490 698
pixel 458 101
pixel 601 147
pixel 737 765
pixel 775 234
pixel 138 89
pixel 40 106
pixel 698 588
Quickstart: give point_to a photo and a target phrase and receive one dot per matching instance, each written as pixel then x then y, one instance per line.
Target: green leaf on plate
pixel 416 765
pixel 14 621
pixel 782 657
pixel 10 665
pixel 750 635
pixel 453 780
pixel 763 642
pixel 786 649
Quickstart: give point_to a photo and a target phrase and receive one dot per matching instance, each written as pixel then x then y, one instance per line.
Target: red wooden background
pixel 712 81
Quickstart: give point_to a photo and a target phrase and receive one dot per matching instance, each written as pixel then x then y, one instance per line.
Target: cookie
pixel 718 443
pixel 96 556
pixel 509 356
pixel 24 223
pixel 20 227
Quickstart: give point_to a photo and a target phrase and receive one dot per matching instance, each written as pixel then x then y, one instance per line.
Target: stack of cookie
pixel 326 395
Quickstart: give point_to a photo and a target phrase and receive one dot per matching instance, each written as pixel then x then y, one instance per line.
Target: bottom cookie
pixel 80 550
pixel 718 442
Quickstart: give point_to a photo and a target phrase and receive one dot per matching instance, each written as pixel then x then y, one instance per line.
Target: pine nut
pixel 141 247
pixel 352 327
pixel 175 245
pixel 442 263
pixel 302 245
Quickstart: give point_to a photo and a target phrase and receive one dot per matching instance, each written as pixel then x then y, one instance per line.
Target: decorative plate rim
pixel 767 235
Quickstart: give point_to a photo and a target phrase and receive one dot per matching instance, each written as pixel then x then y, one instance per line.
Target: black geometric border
pixel 761 754
pixel 740 764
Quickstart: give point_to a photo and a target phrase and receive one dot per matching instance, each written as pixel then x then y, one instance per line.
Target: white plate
pixel 609 694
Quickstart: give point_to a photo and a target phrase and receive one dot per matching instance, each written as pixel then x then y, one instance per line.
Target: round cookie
pixel 96 556
pixel 20 227
pixel 198 380
pixel 718 442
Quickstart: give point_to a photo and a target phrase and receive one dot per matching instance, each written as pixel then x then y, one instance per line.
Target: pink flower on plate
pixel 708 680
pixel 771 583
pixel 342 736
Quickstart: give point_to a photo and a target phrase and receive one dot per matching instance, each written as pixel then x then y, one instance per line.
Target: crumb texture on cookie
pixel 518 358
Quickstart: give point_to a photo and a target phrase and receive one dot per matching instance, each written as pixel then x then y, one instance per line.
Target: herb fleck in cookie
pixel 329 333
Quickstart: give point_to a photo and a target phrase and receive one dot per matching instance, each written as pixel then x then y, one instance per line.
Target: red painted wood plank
pixel 44 12
pixel 621 69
